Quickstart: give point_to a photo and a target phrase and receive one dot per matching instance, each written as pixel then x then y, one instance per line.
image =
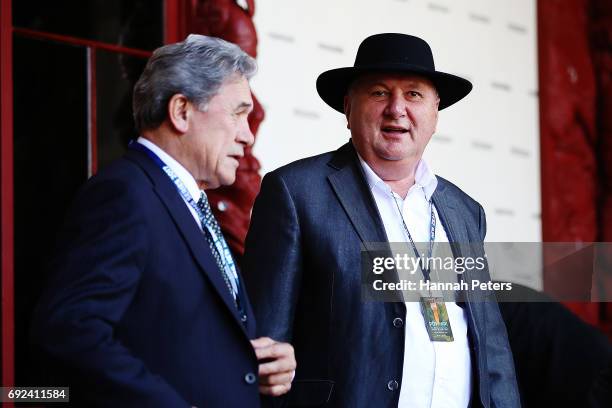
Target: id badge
pixel 436 319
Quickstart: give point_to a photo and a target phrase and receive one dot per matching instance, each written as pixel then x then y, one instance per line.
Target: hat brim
pixel 332 85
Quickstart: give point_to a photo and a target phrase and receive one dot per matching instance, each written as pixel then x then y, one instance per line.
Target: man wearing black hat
pixel 312 217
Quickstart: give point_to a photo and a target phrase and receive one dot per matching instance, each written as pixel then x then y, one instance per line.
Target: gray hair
pixel 195 68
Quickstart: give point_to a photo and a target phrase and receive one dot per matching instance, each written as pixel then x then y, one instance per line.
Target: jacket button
pixel 392 385
pixel 250 378
pixel 398 322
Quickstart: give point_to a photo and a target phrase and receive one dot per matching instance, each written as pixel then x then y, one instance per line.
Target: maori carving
pixel 232 20
pixel 601 47
pixel 568 138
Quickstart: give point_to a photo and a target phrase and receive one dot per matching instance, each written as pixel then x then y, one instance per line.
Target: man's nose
pixel 396 106
pixel 245 135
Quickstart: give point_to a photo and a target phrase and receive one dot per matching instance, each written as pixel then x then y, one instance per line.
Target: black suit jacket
pixel 136 312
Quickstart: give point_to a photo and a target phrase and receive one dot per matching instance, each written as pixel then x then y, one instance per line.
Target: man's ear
pixel 347 111
pixel 178 112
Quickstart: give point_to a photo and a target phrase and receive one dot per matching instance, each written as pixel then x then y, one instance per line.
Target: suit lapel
pixel 355 197
pixel 193 236
pixel 453 225
pixel 456 232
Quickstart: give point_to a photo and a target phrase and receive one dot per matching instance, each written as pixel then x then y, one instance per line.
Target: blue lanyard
pixel 220 244
pixel 432 236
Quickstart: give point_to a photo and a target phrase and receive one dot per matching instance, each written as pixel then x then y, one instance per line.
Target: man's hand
pixel 276 365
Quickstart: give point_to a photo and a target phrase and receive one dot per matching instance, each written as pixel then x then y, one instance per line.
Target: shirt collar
pixel 423 177
pixel 181 172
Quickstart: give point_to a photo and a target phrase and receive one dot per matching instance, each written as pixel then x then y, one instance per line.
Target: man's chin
pixel 227 180
pixel 395 157
pixel 398 155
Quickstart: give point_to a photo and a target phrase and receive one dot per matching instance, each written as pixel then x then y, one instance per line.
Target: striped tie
pixel 210 223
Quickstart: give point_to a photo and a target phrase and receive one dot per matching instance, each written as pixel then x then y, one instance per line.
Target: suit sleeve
pixel 273 259
pixel 502 377
pixel 95 274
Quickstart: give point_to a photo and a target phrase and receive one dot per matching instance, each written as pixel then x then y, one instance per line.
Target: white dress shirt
pixel 181 172
pixel 435 374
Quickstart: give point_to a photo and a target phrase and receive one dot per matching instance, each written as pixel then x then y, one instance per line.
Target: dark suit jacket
pixel 302 269
pixel 136 312
pixel 560 360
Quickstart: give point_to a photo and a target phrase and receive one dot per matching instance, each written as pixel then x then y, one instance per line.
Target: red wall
pixel 575 61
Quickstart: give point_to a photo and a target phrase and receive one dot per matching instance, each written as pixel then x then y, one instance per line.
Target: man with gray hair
pixel 145 305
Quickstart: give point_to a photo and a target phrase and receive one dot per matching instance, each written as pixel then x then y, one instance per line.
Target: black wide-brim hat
pixel 391 53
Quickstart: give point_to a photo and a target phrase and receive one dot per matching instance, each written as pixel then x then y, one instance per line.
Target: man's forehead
pixel 382 78
pixel 236 81
pixel 237 88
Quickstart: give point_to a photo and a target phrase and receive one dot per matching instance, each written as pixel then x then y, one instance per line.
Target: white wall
pixel 488 143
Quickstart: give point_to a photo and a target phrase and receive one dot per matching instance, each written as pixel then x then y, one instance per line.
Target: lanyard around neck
pixel 220 244
pixel 424 264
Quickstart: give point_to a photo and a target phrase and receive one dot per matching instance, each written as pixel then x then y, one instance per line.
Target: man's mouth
pixel 394 129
